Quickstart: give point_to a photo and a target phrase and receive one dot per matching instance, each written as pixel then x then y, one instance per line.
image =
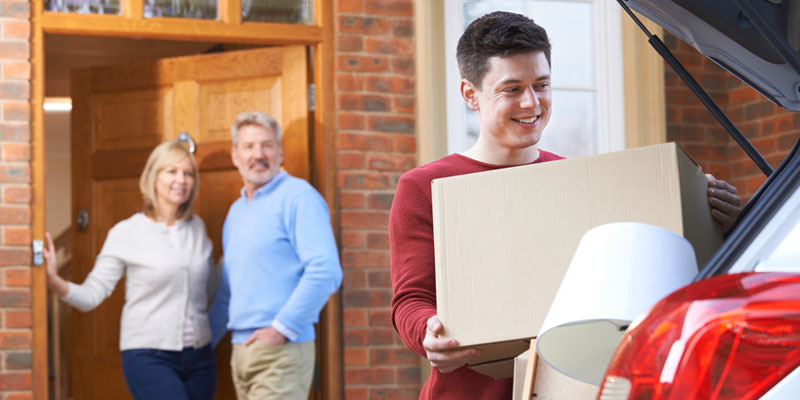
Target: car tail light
pixel 728 337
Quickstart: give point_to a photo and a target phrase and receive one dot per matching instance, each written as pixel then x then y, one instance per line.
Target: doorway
pixel 110 58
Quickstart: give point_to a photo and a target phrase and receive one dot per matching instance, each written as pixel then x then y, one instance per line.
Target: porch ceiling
pixel 65 52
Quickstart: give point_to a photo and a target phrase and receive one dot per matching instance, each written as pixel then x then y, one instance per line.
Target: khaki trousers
pixel 263 372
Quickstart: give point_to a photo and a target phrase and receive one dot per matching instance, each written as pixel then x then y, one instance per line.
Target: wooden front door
pixel 120 113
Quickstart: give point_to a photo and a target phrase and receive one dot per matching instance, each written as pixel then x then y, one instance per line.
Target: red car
pixel 735 332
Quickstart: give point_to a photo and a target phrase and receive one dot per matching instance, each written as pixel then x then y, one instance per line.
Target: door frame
pixel 230 29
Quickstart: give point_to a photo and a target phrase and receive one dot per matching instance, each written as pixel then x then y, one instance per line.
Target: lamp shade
pixel 619 270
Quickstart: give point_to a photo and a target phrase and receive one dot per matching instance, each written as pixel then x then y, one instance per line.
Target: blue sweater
pixel 280 262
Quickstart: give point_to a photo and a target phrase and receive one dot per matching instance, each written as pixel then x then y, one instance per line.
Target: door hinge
pixel 312 95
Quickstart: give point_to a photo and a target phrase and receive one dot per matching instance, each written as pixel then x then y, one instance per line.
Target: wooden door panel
pixel 119 114
pixel 294 111
pixel 115 164
pixel 125 196
pixel 106 372
pixel 209 67
pixel 99 345
pixel 185 113
pixel 216 187
pixel 225 100
pixel 123 193
pixel 132 119
pixel 293 139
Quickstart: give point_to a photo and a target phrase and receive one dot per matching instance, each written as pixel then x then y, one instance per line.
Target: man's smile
pixel 529 120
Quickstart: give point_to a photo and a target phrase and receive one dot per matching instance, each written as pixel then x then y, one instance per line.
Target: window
pixel 83 6
pixel 199 9
pixel 588 104
pixel 279 11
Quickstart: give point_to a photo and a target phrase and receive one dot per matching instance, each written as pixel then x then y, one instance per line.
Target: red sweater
pixel 414 277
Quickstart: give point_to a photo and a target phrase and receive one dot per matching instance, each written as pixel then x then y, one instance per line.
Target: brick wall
pixel 771 129
pixel 376 144
pixel 15 202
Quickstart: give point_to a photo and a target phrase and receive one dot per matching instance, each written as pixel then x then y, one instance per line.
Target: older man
pixel 280 267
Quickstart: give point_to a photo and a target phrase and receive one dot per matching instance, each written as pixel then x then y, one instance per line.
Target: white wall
pixel 58 194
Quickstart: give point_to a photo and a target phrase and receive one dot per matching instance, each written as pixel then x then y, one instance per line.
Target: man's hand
pixel 438 351
pixel 724 202
pixel 269 336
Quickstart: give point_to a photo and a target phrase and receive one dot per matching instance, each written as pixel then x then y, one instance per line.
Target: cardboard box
pixel 503 239
pixel 549 383
pixel 520 369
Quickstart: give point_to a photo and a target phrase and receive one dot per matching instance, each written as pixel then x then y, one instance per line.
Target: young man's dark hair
pixel 501 34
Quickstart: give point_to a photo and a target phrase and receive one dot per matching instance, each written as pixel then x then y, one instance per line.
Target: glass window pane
pixel 786 254
pixel 573 43
pixel 83 6
pixel 474 9
pixel 285 11
pixel 197 9
pixel 571 131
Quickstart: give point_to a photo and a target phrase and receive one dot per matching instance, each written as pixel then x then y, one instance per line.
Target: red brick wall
pixel 375 145
pixel 15 202
pixel 771 129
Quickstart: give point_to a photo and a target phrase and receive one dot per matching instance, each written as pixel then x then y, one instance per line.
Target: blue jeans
pixel 153 374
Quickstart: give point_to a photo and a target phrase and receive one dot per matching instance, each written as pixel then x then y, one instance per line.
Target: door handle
pixel 82 220
pixel 184 138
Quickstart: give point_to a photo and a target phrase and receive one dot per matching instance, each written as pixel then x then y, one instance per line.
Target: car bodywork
pixel 758 42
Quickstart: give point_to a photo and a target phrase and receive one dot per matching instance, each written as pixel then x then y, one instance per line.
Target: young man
pixel 504 59
pixel 281 265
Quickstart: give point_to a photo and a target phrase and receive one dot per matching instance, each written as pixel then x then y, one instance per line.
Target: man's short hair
pixel 501 34
pixel 257 118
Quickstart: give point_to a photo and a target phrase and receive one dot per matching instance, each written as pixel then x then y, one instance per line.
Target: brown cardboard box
pixel 520 370
pixel 549 383
pixel 503 239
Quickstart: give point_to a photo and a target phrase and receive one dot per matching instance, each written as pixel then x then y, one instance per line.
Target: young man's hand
pixel 724 202
pixel 439 351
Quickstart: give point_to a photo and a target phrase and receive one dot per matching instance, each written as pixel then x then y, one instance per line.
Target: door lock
pixel 82 220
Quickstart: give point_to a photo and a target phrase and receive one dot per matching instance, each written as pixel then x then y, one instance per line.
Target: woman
pixel 165 254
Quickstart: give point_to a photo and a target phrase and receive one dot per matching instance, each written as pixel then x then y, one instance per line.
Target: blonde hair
pixel 163 155
pixel 257 118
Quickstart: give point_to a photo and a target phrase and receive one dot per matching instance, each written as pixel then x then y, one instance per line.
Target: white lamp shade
pixel 619 270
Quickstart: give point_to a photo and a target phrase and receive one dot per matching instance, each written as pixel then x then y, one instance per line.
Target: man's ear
pixel 469 92
pixel 233 156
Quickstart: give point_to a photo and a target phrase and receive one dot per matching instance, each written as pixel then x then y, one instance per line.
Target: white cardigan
pixel 163 284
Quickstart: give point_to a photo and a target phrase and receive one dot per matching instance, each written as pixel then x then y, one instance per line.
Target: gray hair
pixel 255 118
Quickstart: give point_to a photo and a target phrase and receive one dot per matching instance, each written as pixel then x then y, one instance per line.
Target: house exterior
pixel 377 121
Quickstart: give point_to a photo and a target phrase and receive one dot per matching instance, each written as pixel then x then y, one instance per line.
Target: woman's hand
pixel 50 255
pixel 55 282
